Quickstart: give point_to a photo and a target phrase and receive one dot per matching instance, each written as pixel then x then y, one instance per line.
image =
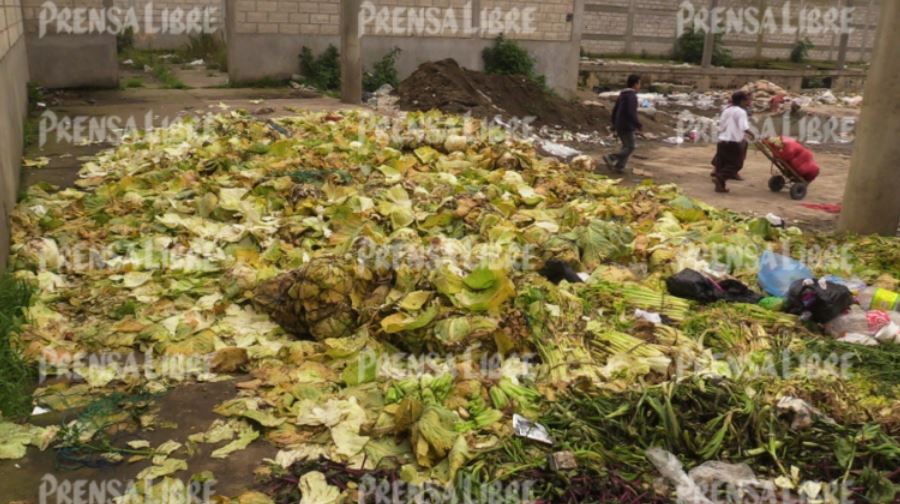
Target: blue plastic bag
pixel 778 272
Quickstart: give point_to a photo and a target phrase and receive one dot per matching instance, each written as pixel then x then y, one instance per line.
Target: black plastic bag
pixel 819 301
pixel 556 271
pixel 690 284
pixel 736 292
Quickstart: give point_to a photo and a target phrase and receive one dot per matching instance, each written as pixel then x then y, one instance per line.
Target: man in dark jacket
pixel 625 121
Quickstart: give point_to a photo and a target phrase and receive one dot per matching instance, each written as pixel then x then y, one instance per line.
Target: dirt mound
pixel 446 86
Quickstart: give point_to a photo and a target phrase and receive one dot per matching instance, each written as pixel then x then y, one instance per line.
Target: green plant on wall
pixel 322 72
pixel 509 58
pixel 384 71
pixel 125 40
pixel 800 52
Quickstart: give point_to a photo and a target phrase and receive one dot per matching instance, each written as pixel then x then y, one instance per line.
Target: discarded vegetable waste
pixel 326 259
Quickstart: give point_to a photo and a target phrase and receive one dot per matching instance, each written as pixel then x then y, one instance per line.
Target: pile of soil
pixel 446 86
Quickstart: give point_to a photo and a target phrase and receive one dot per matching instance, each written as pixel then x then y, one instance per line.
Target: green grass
pixel 208 47
pixel 167 78
pixel 133 82
pixel 15 374
pixel 159 67
pixel 30 128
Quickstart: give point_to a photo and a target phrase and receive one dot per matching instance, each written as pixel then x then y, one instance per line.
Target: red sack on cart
pixel 796 155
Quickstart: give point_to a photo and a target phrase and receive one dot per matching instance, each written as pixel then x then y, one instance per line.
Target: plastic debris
pixel 777 273
pixel 531 430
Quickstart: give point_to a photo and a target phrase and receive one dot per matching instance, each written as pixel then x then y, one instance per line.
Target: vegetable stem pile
pixel 379 282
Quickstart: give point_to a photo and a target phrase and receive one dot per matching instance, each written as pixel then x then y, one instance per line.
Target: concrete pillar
pixel 799 35
pixel 761 37
pixel 629 28
pixel 574 53
pixel 476 17
pixel 710 41
pixel 842 51
pixel 864 50
pixel 871 200
pixel 351 57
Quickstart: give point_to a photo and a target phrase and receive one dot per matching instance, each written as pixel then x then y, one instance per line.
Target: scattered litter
pixel 562 461
pixel 820 301
pixel 38 162
pixel 804 413
pixel 859 339
pixel 531 430
pixel 775 220
pixel 827 97
pixel 832 208
pixel 653 318
pixel 38 410
pixel 852 101
pixel 778 272
pixel 558 150
pixel 670 468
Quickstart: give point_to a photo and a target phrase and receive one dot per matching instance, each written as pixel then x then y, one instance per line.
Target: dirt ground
pixel 689 167
pixel 188 408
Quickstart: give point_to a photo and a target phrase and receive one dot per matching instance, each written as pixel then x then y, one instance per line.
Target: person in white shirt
pixel 731 151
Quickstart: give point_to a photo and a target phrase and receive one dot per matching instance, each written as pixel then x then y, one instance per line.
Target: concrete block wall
pixel 287 17
pixel 279 29
pixel 13 108
pixel 160 8
pixel 62 59
pixel 650 26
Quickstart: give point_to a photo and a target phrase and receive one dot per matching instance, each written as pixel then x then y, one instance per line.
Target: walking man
pixel 625 121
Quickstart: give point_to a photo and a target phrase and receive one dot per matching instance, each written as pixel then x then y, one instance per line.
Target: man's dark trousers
pixel 621 157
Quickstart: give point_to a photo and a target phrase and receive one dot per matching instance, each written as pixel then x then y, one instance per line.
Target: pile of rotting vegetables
pixel 386 290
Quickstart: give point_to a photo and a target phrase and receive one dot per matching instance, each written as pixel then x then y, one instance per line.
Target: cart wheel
pixel 798 191
pixel 777 183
